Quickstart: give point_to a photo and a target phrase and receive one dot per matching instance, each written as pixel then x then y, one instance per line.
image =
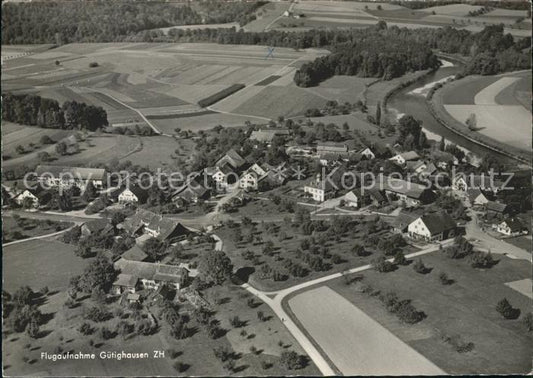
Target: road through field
pixel 275 300
pixel 356 343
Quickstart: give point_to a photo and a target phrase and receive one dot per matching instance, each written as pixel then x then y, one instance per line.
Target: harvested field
pixel 457 10
pixel 201 121
pixel 266 15
pixel 287 101
pixel 509 124
pixel 496 103
pixel 343 88
pixel 357 344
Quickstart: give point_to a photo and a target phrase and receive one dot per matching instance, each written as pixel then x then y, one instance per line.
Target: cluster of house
pixel 137 270
pixel 55 176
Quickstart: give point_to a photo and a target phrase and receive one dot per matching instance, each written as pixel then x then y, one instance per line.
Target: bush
pixel 382 265
pixel 292 360
pixel 528 321
pixel 419 267
pixel 220 95
pixel 93 64
pixel 506 310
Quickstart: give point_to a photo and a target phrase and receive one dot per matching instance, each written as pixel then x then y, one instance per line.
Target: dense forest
pixel 109 21
pixel 378 54
pixel 218 12
pixel 37 111
pixel 421 4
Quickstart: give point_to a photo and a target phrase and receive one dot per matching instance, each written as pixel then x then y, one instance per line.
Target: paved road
pixel 36 237
pixel 275 304
pixel 487 242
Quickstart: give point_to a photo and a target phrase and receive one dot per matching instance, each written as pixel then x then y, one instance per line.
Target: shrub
pixel 505 309
pixel 93 64
pixel 291 360
pixel 382 265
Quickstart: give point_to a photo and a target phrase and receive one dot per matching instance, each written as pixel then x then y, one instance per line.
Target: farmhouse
pixel 136 275
pixel 432 227
pixel 487 183
pixel 135 253
pixel 322 189
pixel 62 176
pixel 410 193
pixel 267 135
pixel 351 199
pixel 133 195
pixel 366 153
pixel 33 198
pixel 477 198
pixel 496 208
pixel 232 158
pixel 404 219
pixel 404 157
pixel 331 147
pixel 443 159
pixel 144 222
pixel 512 227
pixel 416 166
pixel 96 226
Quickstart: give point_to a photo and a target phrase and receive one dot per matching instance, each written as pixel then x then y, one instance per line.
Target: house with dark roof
pixel 433 227
pixel 135 253
pixel 404 157
pixel 56 175
pixel 512 227
pixel 148 275
pixel 145 222
pixel 232 158
pixel 97 226
pixel 404 219
pixel 410 193
pixel 132 195
pixel 496 208
pixel 487 183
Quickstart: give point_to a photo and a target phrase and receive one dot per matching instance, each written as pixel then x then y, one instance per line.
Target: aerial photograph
pixel 257 188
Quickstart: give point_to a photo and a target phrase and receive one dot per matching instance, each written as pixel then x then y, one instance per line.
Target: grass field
pixel 465 308
pixel 27 228
pixel 496 102
pixel 357 344
pixel 287 101
pixel 40 263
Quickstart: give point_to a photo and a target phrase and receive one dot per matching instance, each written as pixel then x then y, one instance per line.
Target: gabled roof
pixel 414 165
pixel 233 158
pixel 135 253
pixel 150 271
pixel 405 218
pixel 126 280
pixel 410 155
pixel 166 227
pixel 141 194
pixel 408 188
pixel 351 196
pixel 438 222
pixel 267 135
pixel 475 193
pixel 514 224
pixel 96 225
pixel 497 207
pixel 57 171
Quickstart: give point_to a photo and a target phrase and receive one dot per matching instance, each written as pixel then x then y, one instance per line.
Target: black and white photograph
pixel 266 188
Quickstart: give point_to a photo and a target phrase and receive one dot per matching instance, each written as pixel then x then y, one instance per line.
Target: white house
pixel 367 153
pixel 477 198
pixel 37 196
pixel 512 227
pixel 224 176
pixel 432 227
pixel 462 183
pixel 133 195
pixel 404 157
pixel 323 189
pixel 249 180
pixel 351 199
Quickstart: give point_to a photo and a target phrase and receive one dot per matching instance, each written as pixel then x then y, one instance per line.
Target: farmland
pixel 355 342
pixel 498 104
pixel 159 80
pixel 471 297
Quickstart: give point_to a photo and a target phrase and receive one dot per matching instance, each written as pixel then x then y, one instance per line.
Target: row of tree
pixel 103 21
pixel 377 54
pixel 33 110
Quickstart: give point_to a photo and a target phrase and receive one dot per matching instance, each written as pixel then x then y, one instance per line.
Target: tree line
pixel 34 110
pixel 106 21
pixel 378 54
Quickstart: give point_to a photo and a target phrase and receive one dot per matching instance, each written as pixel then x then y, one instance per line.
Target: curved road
pixel 274 300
